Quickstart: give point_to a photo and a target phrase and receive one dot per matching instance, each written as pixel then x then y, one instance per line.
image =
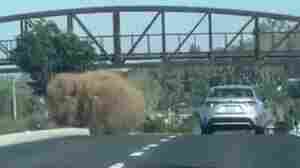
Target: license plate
pixel 229 109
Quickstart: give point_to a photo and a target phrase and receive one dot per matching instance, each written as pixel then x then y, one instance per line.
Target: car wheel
pixel 259 131
pixel 207 131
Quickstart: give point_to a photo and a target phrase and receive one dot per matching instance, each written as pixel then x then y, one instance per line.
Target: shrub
pixel 101 100
pixel 175 125
pixel 154 125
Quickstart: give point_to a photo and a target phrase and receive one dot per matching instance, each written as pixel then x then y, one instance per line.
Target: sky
pixel 21 6
pixel 135 23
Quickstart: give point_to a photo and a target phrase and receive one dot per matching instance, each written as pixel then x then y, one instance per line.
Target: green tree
pixel 172 88
pixel 152 92
pixel 269 78
pixel 177 83
pixel 45 50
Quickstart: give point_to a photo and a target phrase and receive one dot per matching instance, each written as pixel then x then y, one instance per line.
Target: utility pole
pixel 14 99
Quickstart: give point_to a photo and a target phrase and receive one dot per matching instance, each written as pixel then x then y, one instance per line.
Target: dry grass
pixel 73 98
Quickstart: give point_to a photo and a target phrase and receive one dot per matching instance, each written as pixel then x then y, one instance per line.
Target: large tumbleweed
pixel 103 101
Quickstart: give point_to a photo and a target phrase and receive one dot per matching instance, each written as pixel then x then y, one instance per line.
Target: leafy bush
pixel 100 100
pixel 7 125
pixel 154 125
pixel 175 125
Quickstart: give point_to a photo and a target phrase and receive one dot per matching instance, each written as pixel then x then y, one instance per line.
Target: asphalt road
pixel 145 151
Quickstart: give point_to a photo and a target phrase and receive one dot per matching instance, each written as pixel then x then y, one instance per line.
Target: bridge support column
pixel 257 38
pixel 23 27
pixel 116 37
pixel 70 25
pixel 163 34
pixel 210 38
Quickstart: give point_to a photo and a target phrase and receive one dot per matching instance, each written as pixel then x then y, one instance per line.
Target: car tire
pixel 259 131
pixel 207 131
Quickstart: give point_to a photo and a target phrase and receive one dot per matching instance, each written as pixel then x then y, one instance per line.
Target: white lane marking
pixel 136 154
pixel 133 133
pixel 117 165
pixel 173 136
pixel 164 140
pixel 27 132
pixel 152 145
pixel 146 148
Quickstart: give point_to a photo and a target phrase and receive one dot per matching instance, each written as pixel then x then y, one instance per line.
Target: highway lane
pixel 74 152
pixel 224 151
pixel 157 151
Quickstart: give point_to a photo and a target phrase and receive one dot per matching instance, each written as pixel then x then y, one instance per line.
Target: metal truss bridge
pixel 250 43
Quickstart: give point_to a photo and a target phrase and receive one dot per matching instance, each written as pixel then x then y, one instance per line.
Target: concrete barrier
pixel 32 136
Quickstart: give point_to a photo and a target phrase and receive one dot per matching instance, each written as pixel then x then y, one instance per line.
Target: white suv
pixel 233 106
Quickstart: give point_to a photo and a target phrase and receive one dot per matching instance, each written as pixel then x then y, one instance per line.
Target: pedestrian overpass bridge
pixel 250 43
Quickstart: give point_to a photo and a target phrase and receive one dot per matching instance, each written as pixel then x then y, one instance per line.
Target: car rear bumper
pixel 227 122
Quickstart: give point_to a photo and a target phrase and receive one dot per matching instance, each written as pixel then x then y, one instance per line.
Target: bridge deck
pixel 155 59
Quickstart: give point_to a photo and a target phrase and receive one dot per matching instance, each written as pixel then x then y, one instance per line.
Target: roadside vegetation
pixel 25 105
pixel 5 97
pixel 101 100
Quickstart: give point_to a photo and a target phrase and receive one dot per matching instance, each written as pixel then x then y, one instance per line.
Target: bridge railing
pixel 150 47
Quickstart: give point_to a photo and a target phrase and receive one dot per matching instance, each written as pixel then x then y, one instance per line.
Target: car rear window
pixel 231 92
